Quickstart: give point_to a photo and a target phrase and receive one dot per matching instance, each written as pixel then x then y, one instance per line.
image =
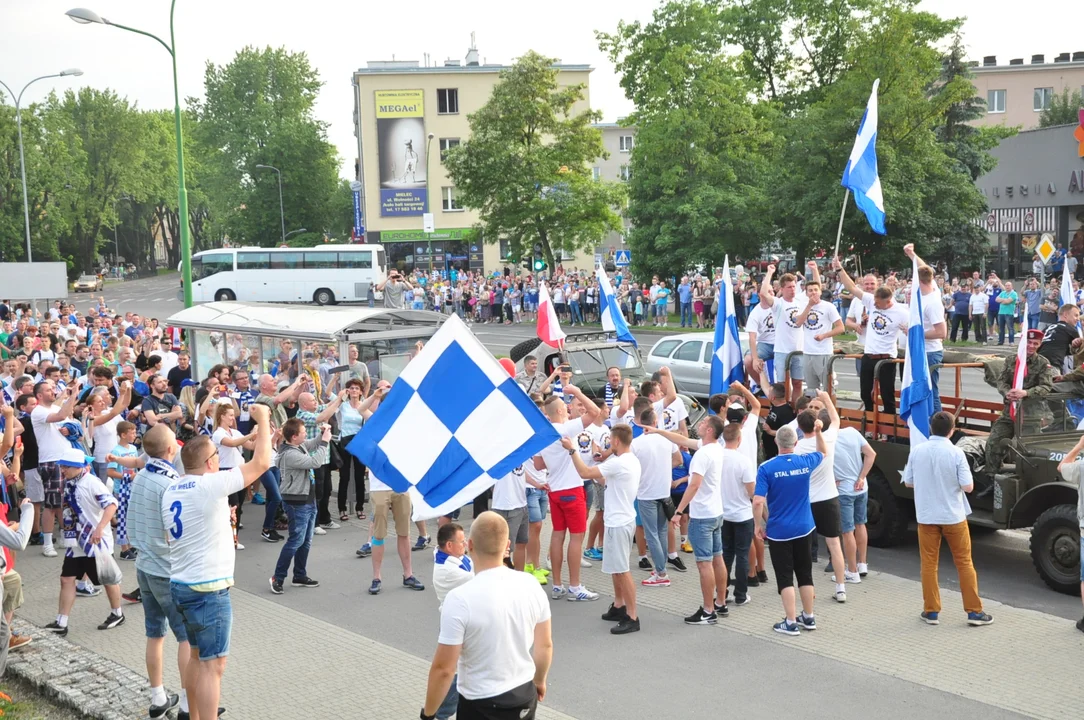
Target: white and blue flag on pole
pixel 860 176
pixel 612 319
pixel 916 396
pixel 452 425
pixel 1068 297
pixel 726 362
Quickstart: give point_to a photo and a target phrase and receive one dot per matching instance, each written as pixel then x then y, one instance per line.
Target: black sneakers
pixel 135 596
pixel 112 621
pixel 160 710
pixel 645 564
pixel 270 535
pixel 762 577
pixel 701 618
pixel 1080 624
pixel 306 581
pixel 721 610
pixel 182 715
pixel 617 614
pixel 276 585
pixel 752 581
pixel 54 627
pixel 129 554
pixel 626 626
pixel 676 563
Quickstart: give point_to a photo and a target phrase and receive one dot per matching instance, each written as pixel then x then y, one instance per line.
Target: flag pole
pixel 842 212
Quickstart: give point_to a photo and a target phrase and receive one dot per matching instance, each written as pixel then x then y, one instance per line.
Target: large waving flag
pixel 916 395
pixel 1068 297
pixel 726 362
pixel 453 424
pixel 612 319
pixel 860 176
pixel 1021 370
pixel 549 329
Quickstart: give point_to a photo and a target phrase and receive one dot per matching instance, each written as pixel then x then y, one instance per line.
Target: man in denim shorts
pixel 786 307
pixel 538 507
pixel 148 535
pixel 852 462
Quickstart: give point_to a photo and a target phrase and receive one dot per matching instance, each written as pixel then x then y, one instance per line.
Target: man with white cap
pixel 88 508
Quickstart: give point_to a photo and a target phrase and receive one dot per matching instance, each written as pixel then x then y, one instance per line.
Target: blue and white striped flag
pixel 610 312
pixel 726 362
pixel 453 424
pixel 860 175
pixel 916 396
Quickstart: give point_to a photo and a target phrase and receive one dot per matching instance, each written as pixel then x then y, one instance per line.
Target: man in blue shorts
pixel 786 307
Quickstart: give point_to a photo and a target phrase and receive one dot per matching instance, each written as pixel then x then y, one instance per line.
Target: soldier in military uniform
pixel 1038 383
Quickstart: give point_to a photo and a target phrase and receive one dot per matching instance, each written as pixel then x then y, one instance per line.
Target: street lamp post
pixel 282 214
pixel 84 16
pixel 22 157
pixel 429 235
pixel 290 234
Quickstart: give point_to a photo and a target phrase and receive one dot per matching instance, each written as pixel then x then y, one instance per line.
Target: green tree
pixel 259 110
pixel 698 166
pixel 527 165
pixel 1064 109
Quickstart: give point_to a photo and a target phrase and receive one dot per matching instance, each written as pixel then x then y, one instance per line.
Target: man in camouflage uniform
pixel 1038 383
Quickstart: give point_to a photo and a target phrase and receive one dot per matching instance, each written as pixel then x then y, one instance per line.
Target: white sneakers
pixel 49 551
pixel 863 569
pixel 319 531
pixel 584 562
pixel 852 577
pixel 841 594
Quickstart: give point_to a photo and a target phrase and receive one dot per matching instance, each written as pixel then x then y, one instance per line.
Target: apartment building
pixel 618 139
pixel 1017 93
pixel 407 114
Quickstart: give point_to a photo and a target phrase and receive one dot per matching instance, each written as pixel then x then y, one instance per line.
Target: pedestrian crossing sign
pixel 623 258
pixel 1046 248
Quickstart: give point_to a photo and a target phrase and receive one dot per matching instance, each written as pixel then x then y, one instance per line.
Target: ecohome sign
pixel 401 149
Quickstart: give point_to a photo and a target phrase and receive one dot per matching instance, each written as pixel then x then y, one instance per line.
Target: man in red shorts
pixel 568 504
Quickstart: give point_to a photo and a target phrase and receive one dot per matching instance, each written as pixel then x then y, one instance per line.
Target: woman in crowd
pixel 229 441
pixel 350 424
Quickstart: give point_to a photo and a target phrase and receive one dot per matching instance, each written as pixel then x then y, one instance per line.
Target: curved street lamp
pixel 292 233
pixel 282 214
pixel 84 16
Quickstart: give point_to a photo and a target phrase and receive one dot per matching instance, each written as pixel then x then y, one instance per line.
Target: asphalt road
pixel 1005 570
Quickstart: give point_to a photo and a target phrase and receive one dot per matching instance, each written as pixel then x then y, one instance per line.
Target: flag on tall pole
pixel 1068 297
pixel 916 395
pixel 612 319
pixel 1021 370
pixel 549 328
pixel 860 176
pixel 726 362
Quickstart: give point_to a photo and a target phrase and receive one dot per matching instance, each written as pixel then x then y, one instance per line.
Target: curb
pixel 63 672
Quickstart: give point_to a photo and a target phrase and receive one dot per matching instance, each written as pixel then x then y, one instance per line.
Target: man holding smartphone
pixel 393 289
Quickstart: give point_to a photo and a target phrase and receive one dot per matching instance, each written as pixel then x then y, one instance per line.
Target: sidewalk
pixel 283 656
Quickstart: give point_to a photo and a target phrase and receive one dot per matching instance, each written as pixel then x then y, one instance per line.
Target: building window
pixel 447 101
pixel 447 144
pixel 596 174
pixel 505 249
pixel 995 101
pixel 625 173
pixel 450 203
pixel 625 143
pixel 1042 98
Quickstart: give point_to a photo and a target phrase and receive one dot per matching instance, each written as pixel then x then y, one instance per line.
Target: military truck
pixel 590 354
pixel 1028 492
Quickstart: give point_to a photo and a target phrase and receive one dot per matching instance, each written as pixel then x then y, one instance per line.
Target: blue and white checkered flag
pixel 452 425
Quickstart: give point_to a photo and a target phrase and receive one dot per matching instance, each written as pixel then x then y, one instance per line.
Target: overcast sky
pixel 36 39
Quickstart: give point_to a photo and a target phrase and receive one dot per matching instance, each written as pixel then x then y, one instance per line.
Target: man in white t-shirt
pixel 619 473
pixel 495 630
pixel 761 328
pixel 857 317
pixel 510 502
pixel 196 514
pixel 853 461
pixel 670 412
pixel 658 456
pixel 52 444
pixel 933 322
pixel 739 476
pixel 823 495
pixel 885 321
pixel 169 358
pixel 820 322
pixel 704 500
pixel 786 308
pixel 568 503
pixel 594 439
pixel 451 568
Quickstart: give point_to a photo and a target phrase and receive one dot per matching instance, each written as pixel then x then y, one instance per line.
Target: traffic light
pixel 528 263
pixel 539 265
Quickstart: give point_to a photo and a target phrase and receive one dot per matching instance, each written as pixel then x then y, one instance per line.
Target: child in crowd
pixel 122 484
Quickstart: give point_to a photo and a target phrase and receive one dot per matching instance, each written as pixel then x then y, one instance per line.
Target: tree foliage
pixel 1064 109
pixel 527 165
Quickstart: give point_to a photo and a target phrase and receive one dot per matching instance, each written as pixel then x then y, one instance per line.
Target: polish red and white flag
pixel 549 329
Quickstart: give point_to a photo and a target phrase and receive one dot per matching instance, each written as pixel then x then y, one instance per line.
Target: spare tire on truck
pixel 523 349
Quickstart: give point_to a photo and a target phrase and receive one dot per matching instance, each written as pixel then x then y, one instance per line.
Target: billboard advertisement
pixel 401 149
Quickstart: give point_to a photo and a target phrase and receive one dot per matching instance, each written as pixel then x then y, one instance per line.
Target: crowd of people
pixel 109 436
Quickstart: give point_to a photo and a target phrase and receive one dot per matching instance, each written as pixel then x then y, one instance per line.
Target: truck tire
pixel 323 296
pixel 888 518
pixel 1055 548
pixel 225 295
pixel 524 349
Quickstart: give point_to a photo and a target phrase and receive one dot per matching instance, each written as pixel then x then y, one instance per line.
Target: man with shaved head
pixel 496 629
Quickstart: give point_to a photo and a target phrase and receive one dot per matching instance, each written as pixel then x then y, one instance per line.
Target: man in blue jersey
pixel 784 516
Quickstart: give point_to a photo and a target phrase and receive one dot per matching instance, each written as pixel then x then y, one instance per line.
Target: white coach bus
pixel 325 275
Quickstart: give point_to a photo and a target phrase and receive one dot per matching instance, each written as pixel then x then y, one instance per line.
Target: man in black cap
pixel 1038 383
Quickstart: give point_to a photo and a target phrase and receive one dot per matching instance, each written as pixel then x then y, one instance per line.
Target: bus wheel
pixel 225 295
pixel 323 296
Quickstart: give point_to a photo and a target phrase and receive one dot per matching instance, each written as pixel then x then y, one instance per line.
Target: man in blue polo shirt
pixel 783 490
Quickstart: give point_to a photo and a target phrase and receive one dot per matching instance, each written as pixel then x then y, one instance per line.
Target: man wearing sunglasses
pixel 196 515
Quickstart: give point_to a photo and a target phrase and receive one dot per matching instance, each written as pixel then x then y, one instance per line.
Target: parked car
pixel 689 358
pixel 88 283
